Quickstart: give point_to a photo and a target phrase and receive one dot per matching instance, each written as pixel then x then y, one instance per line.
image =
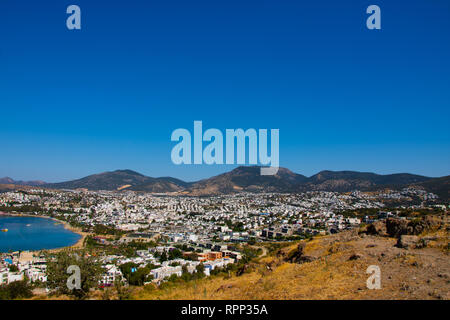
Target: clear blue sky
pixel 108 97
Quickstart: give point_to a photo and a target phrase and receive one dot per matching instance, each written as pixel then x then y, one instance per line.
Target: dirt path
pixel 264 250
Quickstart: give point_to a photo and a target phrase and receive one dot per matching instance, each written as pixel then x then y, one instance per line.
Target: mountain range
pixel 121 180
pixel 8 180
pixel 249 179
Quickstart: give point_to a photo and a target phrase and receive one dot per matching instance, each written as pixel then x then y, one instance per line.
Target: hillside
pixel 249 179
pixel 12 187
pixel 330 267
pixel 121 180
pixel 345 181
pixel 161 185
pixel 439 186
pixel 7 180
pixel 103 181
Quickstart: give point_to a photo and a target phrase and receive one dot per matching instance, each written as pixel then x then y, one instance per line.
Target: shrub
pixel 16 290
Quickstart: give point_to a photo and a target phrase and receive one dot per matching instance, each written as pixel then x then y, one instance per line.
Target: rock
pixel 296 255
pixel 432 222
pixel 427 223
pixel 377 228
pixel 406 241
pixel 404 286
pixel 308 259
pixel 423 243
pixel 355 256
pixel 396 227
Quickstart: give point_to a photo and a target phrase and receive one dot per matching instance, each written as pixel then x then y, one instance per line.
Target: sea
pixel 34 233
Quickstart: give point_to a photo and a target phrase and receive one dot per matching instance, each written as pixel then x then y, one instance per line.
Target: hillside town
pixel 172 234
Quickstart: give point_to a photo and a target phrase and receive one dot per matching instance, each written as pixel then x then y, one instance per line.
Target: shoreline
pixel 78 245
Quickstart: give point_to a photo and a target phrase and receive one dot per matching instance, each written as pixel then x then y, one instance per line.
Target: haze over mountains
pixel 249 179
pixel 8 180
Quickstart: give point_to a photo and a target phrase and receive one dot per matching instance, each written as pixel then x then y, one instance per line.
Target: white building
pixel 163 272
pixel 111 275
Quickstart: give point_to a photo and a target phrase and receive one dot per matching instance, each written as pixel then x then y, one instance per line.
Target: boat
pixel 4 230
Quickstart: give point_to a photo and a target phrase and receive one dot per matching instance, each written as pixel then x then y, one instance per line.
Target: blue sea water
pixel 33 233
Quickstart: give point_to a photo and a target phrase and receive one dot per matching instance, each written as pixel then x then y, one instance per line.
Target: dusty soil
pixel 335 268
pixel 405 273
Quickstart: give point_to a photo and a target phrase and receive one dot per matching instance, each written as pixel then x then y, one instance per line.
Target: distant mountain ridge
pixel 344 181
pixel 8 180
pixel 439 186
pixel 249 179
pixel 122 180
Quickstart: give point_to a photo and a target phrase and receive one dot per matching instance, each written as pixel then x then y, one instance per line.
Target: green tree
pixel 134 275
pixel 16 290
pixel 175 254
pixel 57 275
pixel 163 257
pixel 200 268
pixel 13 268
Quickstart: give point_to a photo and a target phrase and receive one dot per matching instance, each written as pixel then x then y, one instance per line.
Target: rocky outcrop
pixel 355 256
pixel 408 241
pixel 298 255
pixel 377 228
pixel 394 227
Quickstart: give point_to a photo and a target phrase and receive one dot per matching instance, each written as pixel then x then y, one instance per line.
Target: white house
pixel 112 273
pixel 163 272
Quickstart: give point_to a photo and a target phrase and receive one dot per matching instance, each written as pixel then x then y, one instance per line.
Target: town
pixel 164 236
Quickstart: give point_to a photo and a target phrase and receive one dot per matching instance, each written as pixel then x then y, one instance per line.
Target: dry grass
pixel 331 277
pixel 405 274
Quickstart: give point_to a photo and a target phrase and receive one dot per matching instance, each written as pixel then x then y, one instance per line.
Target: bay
pixel 34 233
